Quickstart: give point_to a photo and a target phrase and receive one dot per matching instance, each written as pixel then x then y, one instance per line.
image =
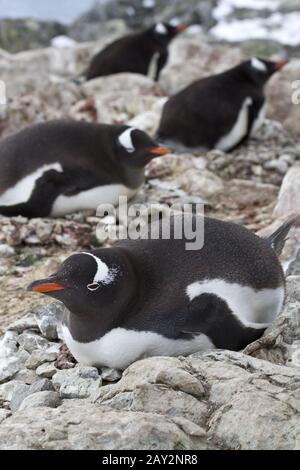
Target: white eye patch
pixel 125 140
pixel 258 65
pixel 103 274
pixel 161 29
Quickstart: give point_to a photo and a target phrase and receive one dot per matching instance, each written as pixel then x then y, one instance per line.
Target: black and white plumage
pixel 220 111
pixel 58 167
pixel 145 53
pixel 153 297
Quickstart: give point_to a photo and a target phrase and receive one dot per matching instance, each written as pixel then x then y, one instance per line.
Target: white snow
pixel 283 28
pixel 62 41
pixel 226 7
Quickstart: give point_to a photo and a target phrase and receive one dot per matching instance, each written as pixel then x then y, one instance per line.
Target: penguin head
pixel 136 149
pixel 163 33
pixel 88 282
pixel 259 70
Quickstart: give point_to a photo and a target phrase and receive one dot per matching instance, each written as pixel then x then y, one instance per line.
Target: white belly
pixel 90 199
pixel 254 308
pixel 239 130
pixel 120 347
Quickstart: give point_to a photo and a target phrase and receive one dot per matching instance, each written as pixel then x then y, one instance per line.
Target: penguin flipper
pixel 278 238
pixel 210 315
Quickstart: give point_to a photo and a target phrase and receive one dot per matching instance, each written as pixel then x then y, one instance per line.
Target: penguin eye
pixel 94 286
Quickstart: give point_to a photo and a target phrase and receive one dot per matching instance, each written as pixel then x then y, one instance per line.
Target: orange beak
pixel 180 28
pixel 281 64
pixel 46 287
pixel 160 151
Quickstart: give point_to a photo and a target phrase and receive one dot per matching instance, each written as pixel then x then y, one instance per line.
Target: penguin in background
pixel 153 297
pixel 58 167
pixel 220 111
pixel 145 53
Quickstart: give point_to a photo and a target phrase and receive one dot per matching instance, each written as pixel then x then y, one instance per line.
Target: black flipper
pixel 210 315
pixel 279 237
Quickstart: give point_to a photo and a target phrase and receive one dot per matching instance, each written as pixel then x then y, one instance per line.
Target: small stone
pixel 26 376
pixel 48 319
pixel 46 370
pixel 23 356
pixel 280 166
pixel 6 251
pixel 41 386
pixel 7 389
pixel 28 323
pixel 110 375
pixel 31 341
pixel 45 398
pixel 80 382
pixel 20 392
pixel 38 357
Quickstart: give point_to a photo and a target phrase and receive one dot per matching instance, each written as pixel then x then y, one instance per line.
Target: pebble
pixel 110 375
pixel 38 357
pixel 48 318
pixel 46 370
pixel 79 382
pixel 281 166
pixel 44 398
pixel 6 251
pixel 30 341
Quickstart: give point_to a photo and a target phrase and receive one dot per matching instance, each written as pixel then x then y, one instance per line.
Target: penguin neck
pixel 89 325
pixel 133 177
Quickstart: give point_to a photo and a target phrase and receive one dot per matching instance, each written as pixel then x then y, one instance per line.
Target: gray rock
pixel 46 370
pixel 80 382
pixel 281 166
pixel 48 318
pixel 4 414
pixel 289 195
pixel 9 363
pixel 31 341
pixel 6 251
pixel 26 323
pixel 22 391
pixel 40 356
pixel 110 375
pixel 44 399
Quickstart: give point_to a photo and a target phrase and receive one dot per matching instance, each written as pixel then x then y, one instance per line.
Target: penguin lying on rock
pixel 145 53
pixel 220 111
pixel 153 297
pixel 58 167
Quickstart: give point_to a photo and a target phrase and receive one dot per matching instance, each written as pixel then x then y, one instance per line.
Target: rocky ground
pixel 202 401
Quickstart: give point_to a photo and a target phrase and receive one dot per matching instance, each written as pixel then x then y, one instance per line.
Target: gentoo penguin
pixel 219 111
pixel 58 167
pixel 145 53
pixel 154 297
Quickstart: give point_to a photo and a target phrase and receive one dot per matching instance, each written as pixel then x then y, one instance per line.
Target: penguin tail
pixel 278 238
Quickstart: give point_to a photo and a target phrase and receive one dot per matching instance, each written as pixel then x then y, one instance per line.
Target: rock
pixel 122 82
pixel 24 324
pixel 39 356
pixel 41 399
pixel 9 363
pixel 81 425
pixel 22 391
pixel 80 382
pixel 198 402
pixel 289 195
pixel 46 370
pixel 30 341
pixel 110 375
pixel 282 97
pixel 48 318
pixel 279 165
pixel 4 414
pixel 6 251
